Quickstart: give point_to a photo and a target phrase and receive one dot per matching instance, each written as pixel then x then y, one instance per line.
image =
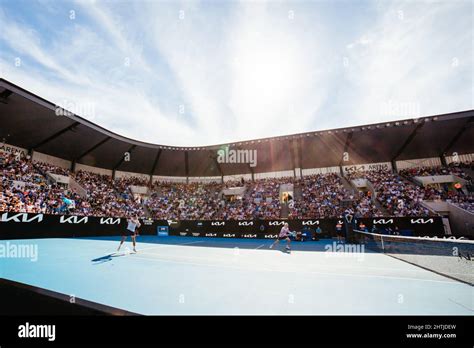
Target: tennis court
pixel 193 276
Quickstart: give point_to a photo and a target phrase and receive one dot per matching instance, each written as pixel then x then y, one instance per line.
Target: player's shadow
pixel 105 258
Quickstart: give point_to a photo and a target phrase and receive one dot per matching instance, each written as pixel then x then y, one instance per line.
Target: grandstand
pixel 330 173
pixel 63 176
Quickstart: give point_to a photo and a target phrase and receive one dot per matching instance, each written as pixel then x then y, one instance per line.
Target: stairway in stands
pixel 147 211
pixel 284 211
pixel 469 172
pixel 297 196
pixel 347 184
pixel 381 207
pixel 297 191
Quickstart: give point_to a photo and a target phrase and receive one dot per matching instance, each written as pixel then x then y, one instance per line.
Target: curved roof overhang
pixel 30 122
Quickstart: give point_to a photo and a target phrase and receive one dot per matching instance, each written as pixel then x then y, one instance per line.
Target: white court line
pixel 163 245
pixel 460 304
pixel 157 259
pixel 218 259
pixel 336 267
pixel 214 261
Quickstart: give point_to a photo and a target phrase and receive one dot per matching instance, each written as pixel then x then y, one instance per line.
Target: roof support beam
pixel 55 135
pixel 293 149
pixel 218 166
pixel 250 167
pixel 408 140
pixel 458 135
pixel 4 96
pixel 186 166
pixel 443 160
pixel 155 163
pixel 251 171
pixel 100 143
pixel 300 155
pixel 394 166
pixel 123 158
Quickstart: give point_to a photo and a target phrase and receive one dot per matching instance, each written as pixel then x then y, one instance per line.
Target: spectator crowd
pixel 25 187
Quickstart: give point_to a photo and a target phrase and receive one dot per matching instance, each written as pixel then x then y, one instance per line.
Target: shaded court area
pixel 195 276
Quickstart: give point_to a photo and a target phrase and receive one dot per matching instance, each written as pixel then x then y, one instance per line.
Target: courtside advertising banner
pixel 29 225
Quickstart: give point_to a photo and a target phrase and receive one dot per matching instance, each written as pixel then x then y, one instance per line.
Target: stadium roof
pixel 30 121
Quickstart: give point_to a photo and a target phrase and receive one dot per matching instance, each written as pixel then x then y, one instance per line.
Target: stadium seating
pixel 25 187
pixel 399 197
pixel 463 198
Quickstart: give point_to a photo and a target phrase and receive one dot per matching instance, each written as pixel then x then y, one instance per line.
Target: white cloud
pixel 410 61
pixel 245 70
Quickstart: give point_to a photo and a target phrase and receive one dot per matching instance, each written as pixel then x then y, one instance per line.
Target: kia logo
pixel 310 223
pixel 422 221
pixel 383 221
pixel 73 220
pixel 22 217
pixel 109 221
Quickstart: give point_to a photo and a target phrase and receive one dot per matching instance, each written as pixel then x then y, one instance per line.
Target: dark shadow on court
pixel 105 258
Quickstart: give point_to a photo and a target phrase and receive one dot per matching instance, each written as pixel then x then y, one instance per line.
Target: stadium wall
pixel 13 149
pixel 467 158
pixel 462 221
pixel 312 171
pixel 121 174
pixel 411 226
pixel 275 175
pixel 205 179
pixel 439 179
pixel 419 162
pixel 176 179
pixel 91 169
pixel 405 164
pixel 366 167
pixel 26 225
pixel 41 157
pixel 238 177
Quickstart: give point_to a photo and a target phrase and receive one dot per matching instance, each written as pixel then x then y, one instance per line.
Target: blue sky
pixel 207 72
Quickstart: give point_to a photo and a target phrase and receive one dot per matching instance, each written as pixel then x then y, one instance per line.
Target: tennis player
pixel 284 235
pixel 132 224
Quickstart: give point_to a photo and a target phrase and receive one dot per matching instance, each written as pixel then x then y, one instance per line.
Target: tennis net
pixel 450 257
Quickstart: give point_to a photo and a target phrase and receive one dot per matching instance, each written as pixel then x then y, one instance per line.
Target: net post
pixel 349 228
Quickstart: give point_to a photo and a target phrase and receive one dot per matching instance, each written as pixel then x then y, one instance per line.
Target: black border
pixel 224 330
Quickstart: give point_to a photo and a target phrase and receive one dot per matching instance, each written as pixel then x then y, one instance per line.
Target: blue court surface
pixel 186 275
